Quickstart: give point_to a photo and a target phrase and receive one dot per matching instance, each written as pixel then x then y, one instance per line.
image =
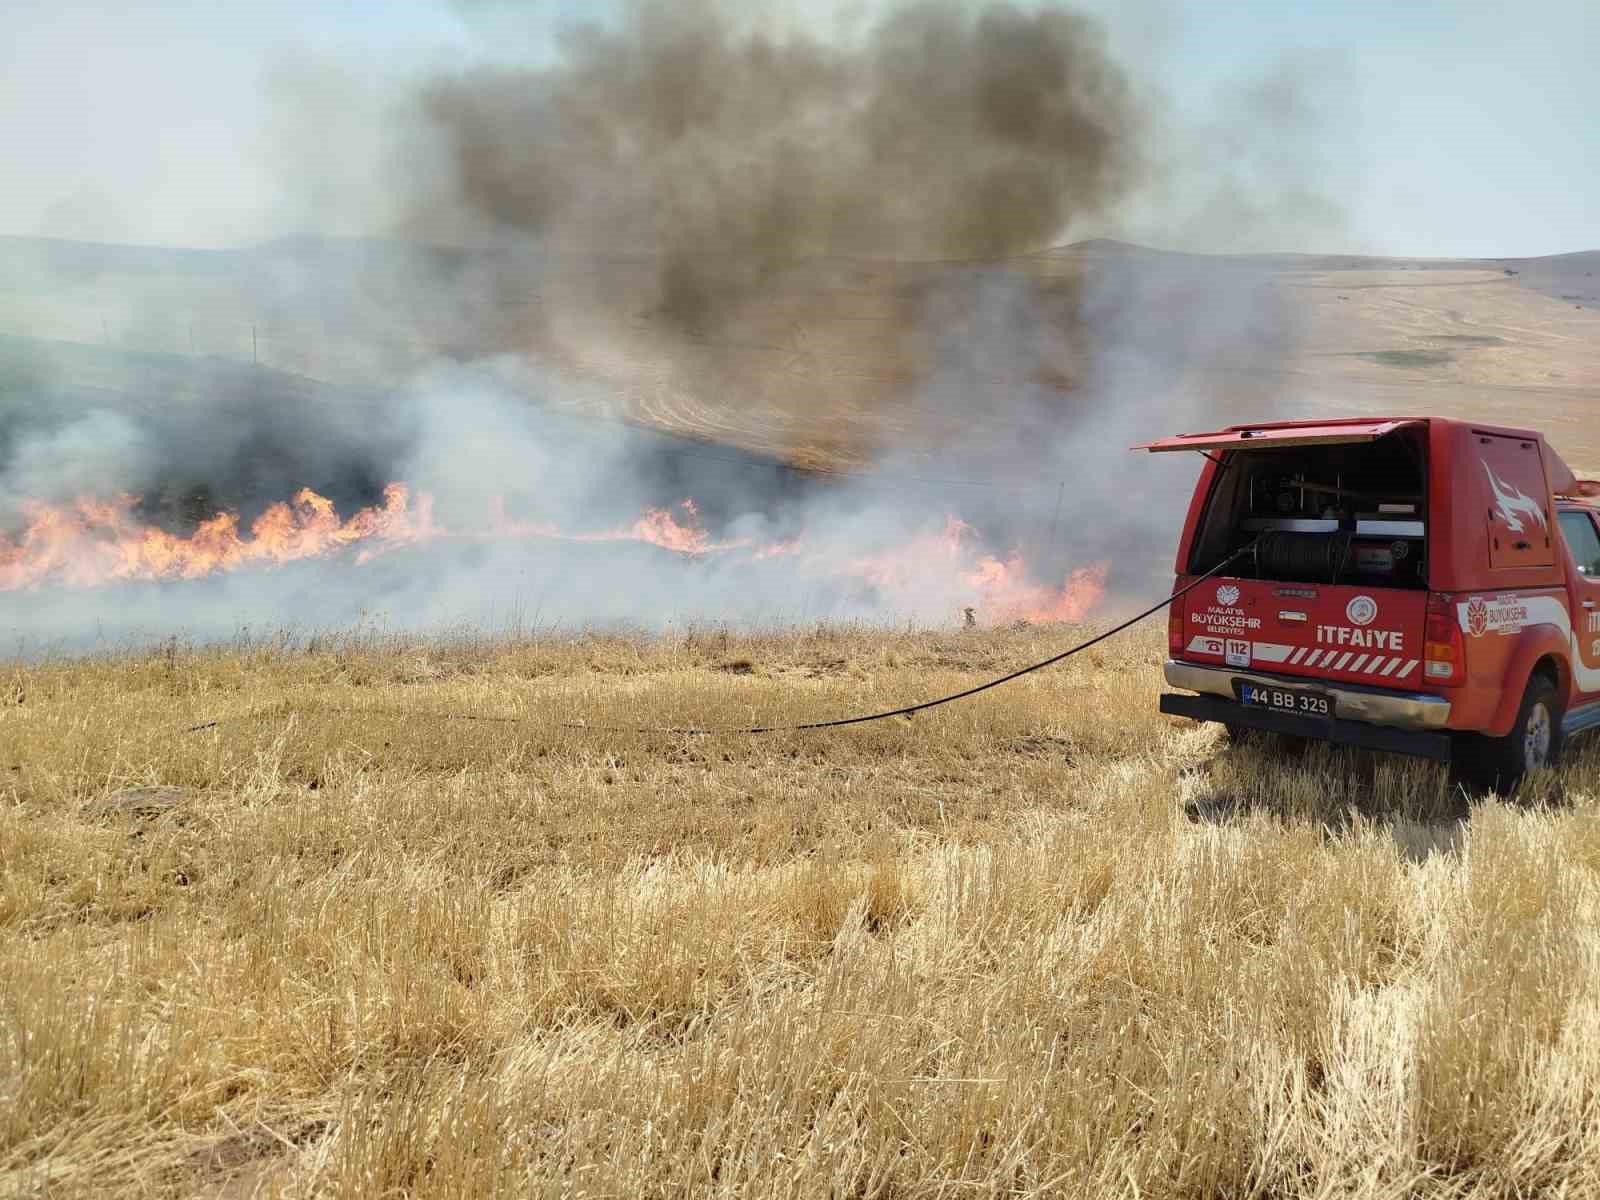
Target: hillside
pixel 833 362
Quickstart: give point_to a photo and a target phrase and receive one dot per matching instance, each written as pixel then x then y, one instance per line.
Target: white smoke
pixel 1012 387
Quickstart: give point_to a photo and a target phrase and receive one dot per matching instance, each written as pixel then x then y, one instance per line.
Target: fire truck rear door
pixel 1510 479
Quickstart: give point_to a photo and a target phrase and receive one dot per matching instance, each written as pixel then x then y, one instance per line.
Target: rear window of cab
pixel 1583 540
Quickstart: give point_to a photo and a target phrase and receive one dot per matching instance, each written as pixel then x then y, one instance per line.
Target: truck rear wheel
pixel 1498 764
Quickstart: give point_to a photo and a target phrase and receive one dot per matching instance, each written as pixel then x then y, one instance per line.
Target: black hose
pixel 1289 554
pixel 835 723
pixel 838 722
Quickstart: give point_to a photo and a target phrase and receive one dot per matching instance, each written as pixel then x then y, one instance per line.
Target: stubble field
pixel 1042 942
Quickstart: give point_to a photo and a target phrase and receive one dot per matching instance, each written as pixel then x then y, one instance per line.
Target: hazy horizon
pixel 390 239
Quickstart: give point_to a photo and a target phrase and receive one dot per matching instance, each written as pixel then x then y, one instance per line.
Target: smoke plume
pixel 810 251
pixel 942 134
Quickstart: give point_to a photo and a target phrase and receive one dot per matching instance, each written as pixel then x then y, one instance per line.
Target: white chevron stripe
pixel 1393 663
pixel 1348 655
pixel 1297 656
pixel 1271 652
pixel 1407 669
pixel 1356 666
pixel 1311 660
pixel 1377 661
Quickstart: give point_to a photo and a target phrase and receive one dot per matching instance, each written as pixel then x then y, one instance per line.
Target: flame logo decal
pixel 1509 502
pixel 1477 617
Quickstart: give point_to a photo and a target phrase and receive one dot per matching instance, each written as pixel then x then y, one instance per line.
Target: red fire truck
pixel 1409 584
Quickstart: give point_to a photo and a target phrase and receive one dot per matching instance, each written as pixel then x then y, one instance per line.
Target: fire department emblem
pixel 1478 616
pixel 1362 610
pixel 1227 594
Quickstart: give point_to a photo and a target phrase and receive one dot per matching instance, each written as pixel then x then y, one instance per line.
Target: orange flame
pixel 657 527
pixel 94 542
pixel 904 567
pixel 1008 596
pixel 1000 589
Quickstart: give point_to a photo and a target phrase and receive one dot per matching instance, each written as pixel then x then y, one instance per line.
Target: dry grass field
pixel 1043 942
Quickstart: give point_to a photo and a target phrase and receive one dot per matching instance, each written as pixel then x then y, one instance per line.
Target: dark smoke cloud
pixel 186 435
pixel 693 222
pixel 727 152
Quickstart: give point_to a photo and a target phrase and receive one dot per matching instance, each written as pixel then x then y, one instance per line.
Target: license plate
pixel 1310 704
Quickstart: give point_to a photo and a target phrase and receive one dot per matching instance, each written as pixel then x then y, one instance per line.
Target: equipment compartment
pixel 1348 513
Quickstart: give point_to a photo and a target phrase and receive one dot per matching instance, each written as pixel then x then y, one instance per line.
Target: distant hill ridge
pixel 831 361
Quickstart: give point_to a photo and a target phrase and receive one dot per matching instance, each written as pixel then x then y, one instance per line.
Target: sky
pixel 1436 128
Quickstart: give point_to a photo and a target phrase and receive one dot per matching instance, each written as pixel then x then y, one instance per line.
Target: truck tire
pixel 1491 764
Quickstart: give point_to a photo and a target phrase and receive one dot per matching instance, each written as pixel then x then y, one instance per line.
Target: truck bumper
pixel 1397 722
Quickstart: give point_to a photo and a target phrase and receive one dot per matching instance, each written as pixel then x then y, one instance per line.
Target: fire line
pixel 94 542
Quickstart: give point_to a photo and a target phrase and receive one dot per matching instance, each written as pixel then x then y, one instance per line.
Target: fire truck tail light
pixel 1444 646
pixel 1175 623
